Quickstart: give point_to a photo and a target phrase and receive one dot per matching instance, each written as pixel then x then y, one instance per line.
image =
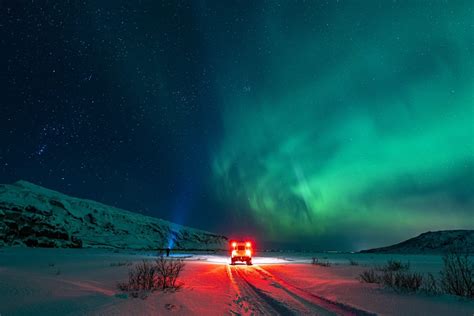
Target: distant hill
pixel 33 216
pixel 432 242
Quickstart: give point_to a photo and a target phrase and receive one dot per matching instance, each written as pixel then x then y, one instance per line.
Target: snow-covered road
pixel 260 292
pixel 84 282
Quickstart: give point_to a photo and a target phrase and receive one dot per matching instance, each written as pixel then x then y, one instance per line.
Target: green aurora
pixel 350 122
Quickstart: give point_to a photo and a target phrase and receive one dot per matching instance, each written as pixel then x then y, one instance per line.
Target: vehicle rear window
pixel 241 247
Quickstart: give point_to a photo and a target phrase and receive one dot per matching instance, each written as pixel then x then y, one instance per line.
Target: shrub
pixel 168 272
pixel 120 264
pixel 430 285
pixel 369 276
pixel 403 281
pixel 353 262
pixel 387 278
pixel 316 261
pixel 150 276
pixel 457 276
pixel 141 277
pixel 395 265
pixel 400 280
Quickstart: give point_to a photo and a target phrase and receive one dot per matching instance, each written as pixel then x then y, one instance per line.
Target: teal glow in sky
pixel 339 124
pixel 349 124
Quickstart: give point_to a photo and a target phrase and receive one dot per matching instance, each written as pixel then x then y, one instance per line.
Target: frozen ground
pixel 83 281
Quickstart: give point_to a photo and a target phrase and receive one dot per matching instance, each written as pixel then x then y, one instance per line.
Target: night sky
pixel 312 124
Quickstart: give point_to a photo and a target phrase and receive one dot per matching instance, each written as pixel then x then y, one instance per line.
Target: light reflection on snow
pixel 226 260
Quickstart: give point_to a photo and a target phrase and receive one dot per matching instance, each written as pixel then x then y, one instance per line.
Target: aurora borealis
pixel 356 123
pixel 322 124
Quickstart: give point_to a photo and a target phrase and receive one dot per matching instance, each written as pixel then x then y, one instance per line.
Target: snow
pixel 35 216
pixel 340 284
pixel 94 245
pixel 36 281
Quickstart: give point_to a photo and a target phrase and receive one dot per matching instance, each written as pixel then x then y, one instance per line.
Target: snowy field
pixel 84 282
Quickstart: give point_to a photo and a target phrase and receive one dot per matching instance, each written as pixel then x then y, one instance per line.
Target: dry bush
pixel 430 285
pixel 457 276
pixel 353 262
pixel 387 278
pixel 142 276
pixel 394 274
pixel 316 261
pixel 168 272
pixel 120 264
pixel 395 265
pixel 402 280
pixel 369 276
pixel 385 274
pixel 149 276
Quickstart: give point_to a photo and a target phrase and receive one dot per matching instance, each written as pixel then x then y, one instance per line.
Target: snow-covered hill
pixel 34 216
pixel 432 242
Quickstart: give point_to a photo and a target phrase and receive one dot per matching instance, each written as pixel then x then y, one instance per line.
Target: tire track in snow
pixel 279 293
pixel 251 300
pixel 242 304
pixel 313 299
pixel 266 297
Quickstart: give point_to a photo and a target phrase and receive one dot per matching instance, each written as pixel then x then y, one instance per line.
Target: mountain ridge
pixel 432 242
pixel 35 216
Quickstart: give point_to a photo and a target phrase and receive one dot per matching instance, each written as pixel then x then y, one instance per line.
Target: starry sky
pixel 305 124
